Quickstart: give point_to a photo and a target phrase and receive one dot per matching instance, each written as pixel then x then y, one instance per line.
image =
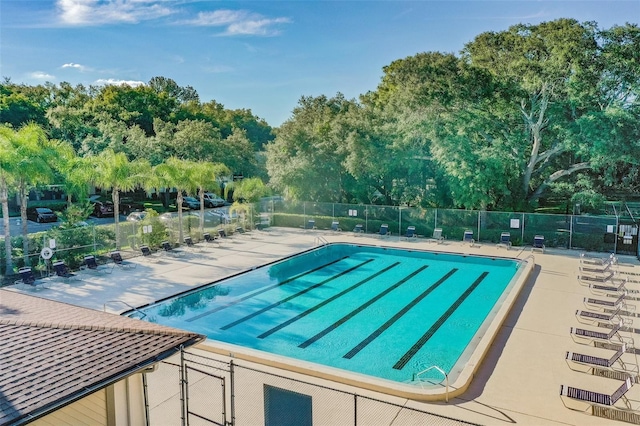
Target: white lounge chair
pixel 586 363
pixel 437 236
pixel 602 304
pixel 586 278
pixel 538 243
pixel 584 336
pixel 599 261
pixel 591 318
pixel 505 240
pixel 411 233
pixel 384 230
pixel 590 399
pixel 467 238
pixel 602 289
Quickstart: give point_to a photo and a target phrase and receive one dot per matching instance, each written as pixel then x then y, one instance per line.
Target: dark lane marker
pixel 271 287
pixel 361 308
pixel 320 305
pixel 293 296
pixel 426 336
pixel 397 316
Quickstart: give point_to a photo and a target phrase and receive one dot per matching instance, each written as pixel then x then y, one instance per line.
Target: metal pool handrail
pixel 104 306
pixel 320 241
pixel 434 367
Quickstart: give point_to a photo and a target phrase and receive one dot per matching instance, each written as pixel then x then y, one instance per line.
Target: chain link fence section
pixel 374 412
pixel 207 386
pixel 199 388
pixel 163 393
pixel 329 406
pixel 609 234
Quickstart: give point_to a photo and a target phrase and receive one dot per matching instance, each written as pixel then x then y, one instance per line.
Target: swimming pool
pixel 366 310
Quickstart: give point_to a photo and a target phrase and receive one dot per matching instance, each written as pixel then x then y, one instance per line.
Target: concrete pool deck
pixel 519 380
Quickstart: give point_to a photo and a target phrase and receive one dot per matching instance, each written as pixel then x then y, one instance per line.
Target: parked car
pixel 128 205
pixel 212 200
pixel 136 216
pixel 41 214
pixel 191 203
pixel 102 208
pixel 212 217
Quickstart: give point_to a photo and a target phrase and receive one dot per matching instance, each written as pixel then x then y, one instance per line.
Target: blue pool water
pixel 377 311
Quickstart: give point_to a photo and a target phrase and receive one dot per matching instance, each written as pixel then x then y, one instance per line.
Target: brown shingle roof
pixel 53 353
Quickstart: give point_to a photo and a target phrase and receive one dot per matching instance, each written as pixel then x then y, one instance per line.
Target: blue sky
pixel 260 55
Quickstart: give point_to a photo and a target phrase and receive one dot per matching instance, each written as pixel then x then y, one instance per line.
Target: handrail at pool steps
pixel 416 376
pixel 320 241
pixel 133 308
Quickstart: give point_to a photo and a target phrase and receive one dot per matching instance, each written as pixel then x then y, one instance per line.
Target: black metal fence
pixel 201 389
pixel 611 234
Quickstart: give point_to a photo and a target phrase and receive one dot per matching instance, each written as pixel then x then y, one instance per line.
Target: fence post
pixel 232 386
pixel 615 241
pixel 366 219
pixel 479 212
pixel 399 221
pixel 570 232
pixel 522 227
pixel 435 220
pixel 183 402
pixel 355 409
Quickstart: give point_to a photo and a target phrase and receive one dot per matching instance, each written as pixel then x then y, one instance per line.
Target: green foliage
pixel 158 232
pixel 249 190
pixel 73 215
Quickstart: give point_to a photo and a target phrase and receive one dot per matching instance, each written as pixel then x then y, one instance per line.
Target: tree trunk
pixel 115 197
pixel 201 195
pixel 179 204
pixel 24 199
pixel 4 199
pixel 535 127
pixel 557 175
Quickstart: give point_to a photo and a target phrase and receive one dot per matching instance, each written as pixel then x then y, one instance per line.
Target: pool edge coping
pixel 398 389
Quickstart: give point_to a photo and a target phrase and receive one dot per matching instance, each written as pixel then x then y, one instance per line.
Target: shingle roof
pixel 53 353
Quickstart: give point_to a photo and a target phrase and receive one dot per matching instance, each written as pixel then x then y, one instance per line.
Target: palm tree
pixel 114 170
pixel 205 175
pixel 246 192
pixel 33 155
pixel 176 173
pixel 7 166
pixel 76 173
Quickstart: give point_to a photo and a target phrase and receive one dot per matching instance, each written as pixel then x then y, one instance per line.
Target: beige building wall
pixel 121 404
pixel 125 400
pixel 91 410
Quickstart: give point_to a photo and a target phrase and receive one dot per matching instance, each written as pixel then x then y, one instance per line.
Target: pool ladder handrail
pixel 104 307
pixel 320 241
pixel 434 367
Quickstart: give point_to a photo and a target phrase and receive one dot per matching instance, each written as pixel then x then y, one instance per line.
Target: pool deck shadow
pixel 517 382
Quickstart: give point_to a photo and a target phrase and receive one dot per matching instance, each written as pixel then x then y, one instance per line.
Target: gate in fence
pixel 196 388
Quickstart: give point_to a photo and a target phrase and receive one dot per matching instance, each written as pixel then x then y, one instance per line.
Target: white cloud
pixel 219 17
pixel 239 22
pixel 114 82
pixel 79 67
pixel 41 75
pixel 97 12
